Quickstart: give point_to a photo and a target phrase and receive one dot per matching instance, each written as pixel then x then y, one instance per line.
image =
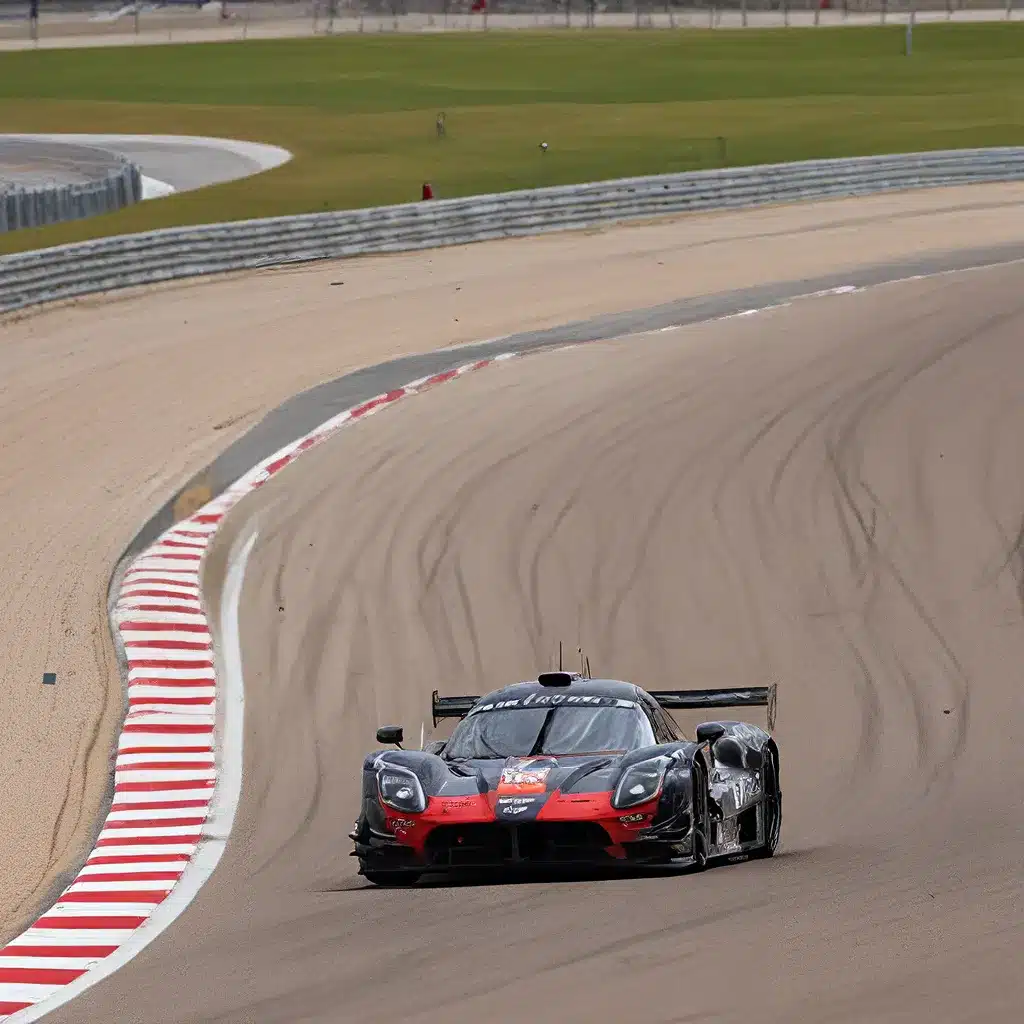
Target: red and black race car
pixel 571 770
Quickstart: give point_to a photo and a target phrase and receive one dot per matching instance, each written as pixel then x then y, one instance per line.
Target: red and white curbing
pixel 170 756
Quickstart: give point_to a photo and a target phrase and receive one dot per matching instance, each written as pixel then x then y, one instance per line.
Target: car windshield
pixel 518 732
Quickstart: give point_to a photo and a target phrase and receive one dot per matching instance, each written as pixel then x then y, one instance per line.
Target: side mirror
pixel 435 746
pixel 710 731
pixel 390 734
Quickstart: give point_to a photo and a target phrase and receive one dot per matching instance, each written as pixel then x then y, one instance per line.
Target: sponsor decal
pixel 397 823
pixel 633 819
pixel 542 700
pixel 525 775
pixel 449 804
pixel 513 806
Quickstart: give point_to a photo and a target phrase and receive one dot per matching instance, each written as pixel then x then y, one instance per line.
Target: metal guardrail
pixel 64 272
pixel 38 205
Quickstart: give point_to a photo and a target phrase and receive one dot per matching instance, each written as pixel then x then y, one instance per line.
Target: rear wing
pixel 738 697
pixel 450 707
pixel 670 700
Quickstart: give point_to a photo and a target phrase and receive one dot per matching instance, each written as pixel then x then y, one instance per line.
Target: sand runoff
pixel 109 404
pixel 828 494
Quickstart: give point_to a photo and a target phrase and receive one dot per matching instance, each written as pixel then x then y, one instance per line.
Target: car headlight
pixel 640 782
pixel 400 789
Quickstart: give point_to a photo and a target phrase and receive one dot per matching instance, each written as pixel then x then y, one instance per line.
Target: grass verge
pixel 359 113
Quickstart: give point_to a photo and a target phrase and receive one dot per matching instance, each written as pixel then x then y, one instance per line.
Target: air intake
pixel 556 678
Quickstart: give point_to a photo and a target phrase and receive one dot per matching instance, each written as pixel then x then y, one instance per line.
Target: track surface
pixel 182 161
pixel 829 494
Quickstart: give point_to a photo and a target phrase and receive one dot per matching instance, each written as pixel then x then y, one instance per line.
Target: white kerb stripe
pixel 14 992
pixel 59 963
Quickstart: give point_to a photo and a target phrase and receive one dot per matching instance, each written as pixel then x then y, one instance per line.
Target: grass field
pixel 358 113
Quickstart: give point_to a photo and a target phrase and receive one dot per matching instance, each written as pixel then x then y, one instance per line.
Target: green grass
pixel 358 113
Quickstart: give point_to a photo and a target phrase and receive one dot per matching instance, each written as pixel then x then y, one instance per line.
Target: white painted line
pixel 153 188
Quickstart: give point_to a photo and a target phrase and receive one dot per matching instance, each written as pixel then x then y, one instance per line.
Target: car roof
pixel 576 687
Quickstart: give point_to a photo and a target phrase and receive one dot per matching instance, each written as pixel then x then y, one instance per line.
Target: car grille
pixel 549 841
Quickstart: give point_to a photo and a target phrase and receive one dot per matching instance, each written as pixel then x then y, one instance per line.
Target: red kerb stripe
pixel 189 840
pixel 167 766
pixel 177 805
pixel 91 952
pixel 162 787
pixel 166 750
pixel 172 609
pixel 172 701
pixel 120 896
pixel 171 684
pixel 169 728
pixel 167 663
pixel 90 922
pixel 166 645
pixel 164 627
pixel 139 858
pixel 154 823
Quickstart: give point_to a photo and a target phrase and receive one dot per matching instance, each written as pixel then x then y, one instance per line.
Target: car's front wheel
pixel 701 819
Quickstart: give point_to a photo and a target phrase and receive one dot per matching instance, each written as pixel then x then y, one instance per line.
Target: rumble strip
pixel 170 757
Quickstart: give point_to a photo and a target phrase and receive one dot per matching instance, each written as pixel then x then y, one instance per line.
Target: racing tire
pixel 392 879
pixel 773 809
pixel 701 824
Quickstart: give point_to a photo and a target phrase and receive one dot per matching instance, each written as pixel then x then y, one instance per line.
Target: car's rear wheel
pixel 392 879
pixel 772 807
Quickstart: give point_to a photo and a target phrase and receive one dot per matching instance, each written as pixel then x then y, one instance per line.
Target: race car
pixel 566 769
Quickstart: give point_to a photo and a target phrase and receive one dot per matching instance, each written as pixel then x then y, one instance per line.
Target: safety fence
pixel 71 22
pixel 46 183
pixel 64 272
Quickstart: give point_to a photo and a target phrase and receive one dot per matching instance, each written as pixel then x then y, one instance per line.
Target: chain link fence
pixel 79 22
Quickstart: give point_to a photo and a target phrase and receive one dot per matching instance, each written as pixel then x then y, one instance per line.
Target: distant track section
pixel 46 182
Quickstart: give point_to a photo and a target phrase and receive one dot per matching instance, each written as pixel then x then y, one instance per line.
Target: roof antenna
pixel 583 671
pixel 587 674
pixel 559 655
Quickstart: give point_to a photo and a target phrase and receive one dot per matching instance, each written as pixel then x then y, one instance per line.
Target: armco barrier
pixel 64 272
pixel 50 204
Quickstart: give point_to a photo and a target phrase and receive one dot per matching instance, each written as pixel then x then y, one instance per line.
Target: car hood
pixel 532 775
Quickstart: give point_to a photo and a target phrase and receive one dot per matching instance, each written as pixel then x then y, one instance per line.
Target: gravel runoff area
pixel 280 22
pixel 91 445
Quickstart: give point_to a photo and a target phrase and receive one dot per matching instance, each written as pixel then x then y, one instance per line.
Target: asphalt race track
pixel 830 494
